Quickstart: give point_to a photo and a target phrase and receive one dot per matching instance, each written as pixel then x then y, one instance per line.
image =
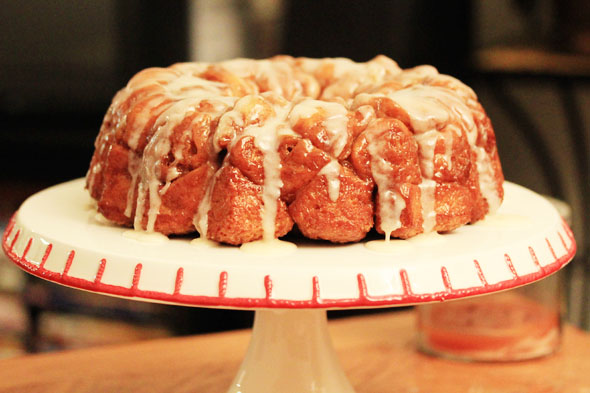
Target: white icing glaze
pixel 267 142
pixel 487 181
pixel 269 247
pixel 156 150
pixel 391 203
pixel 448 138
pixel 332 173
pixel 505 221
pixel 354 78
pixel 388 246
pixel 190 92
pixel 335 121
pixel 368 114
pixel 433 107
pixel 101 220
pixel 426 144
pixel 201 219
pixel 391 220
pixel 146 237
pixel 427 199
pixel 91 206
pixel 429 238
pixel 142 118
pixel 438 107
pixel 398 246
pixel 133 167
pixel 202 242
pixel 267 123
pixel 93 171
pixel 266 139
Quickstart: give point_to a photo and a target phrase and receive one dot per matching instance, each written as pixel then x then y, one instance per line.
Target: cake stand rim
pixel 222 300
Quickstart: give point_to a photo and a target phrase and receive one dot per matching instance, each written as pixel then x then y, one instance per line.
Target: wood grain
pixel 377 352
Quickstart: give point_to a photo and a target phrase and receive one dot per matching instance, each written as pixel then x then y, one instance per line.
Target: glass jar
pixel 518 324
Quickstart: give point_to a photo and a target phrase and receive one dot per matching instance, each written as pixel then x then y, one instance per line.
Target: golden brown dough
pixel 244 149
pixel 347 219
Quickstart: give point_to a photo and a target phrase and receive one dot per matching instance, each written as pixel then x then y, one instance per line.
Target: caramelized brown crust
pixel 115 181
pixel 301 162
pixel 234 217
pixel 181 201
pixel 347 219
pixel 188 148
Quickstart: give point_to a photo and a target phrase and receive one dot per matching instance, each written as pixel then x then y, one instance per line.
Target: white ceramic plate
pixel 57 236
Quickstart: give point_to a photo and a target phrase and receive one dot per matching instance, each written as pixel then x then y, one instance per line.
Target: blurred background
pixel 61 62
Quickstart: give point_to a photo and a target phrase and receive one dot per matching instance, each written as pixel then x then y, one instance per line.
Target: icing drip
pixel 390 215
pixel 133 166
pixel 267 142
pixel 269 247
pixel 92 173
pixel 427 199
pixel 188 91
pixel 100 219
pixel 335 121
pixel 391 202
pixel 141 119
pixel 438 107
pixel 388 246
pixel 202 242
pixel 146 237
pixel 368 113
pixel 487 181
pixel 332 172
pixel 426 144
pixel 506 222
pixel 266 132
pixel 354 78
pixel 431 108
pixel 157 149
pixel 201 219
pixel 448 140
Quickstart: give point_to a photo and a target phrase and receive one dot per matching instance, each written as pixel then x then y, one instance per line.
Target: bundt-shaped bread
pixel 244 149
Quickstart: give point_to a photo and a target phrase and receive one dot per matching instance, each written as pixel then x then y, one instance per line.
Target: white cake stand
pixel 56 235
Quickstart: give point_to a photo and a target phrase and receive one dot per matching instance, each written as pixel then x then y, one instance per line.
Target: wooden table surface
pixel 377 352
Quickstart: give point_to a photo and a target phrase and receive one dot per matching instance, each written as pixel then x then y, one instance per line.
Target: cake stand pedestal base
pixel 290 352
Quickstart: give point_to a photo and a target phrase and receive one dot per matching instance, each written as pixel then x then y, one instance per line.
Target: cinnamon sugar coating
pixel 245 149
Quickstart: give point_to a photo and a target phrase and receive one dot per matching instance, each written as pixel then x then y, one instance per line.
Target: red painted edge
pixel 551 248
pixel 222 284
pixel 315 297
pixel 268 287
pixel 13 242
pixel 136 277
pixel 480 274
pixel 363 300
pixel 46 255
pixel 27 248
pixel 535 259
pixel 362 284
pixel 100 271
pixel 179 280
pixel 69 262
pixel 407 288
pixel 446 279
pixel 562 241
pixel 510 265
